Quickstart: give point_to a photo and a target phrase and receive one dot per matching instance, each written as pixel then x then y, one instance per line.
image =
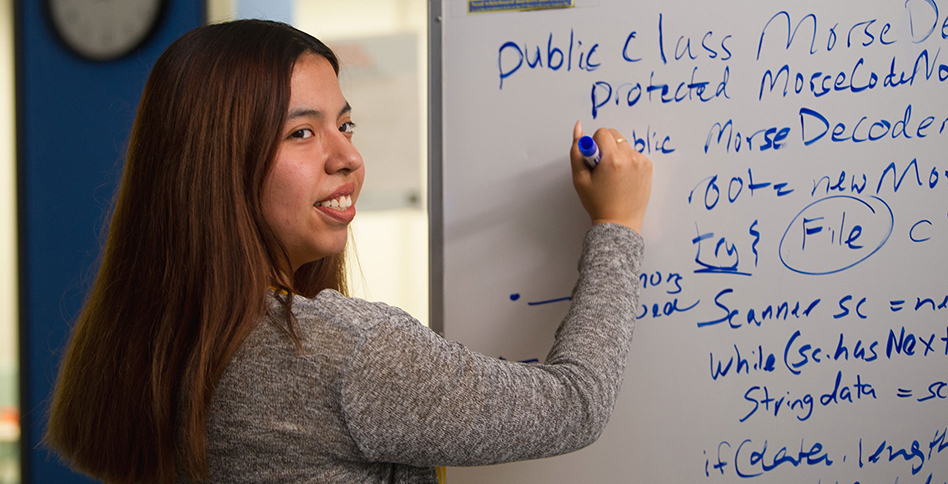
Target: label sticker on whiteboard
pixel 478 6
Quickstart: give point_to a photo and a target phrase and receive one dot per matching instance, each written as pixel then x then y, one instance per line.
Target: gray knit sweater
pixel 377 397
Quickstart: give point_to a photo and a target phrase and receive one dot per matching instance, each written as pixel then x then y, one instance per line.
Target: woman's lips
pixel 339 206
pixel 345 216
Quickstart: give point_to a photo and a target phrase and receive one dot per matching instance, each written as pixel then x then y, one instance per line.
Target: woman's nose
pixel 343 155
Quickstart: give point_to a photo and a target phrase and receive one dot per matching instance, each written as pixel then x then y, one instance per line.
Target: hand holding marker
pixel 613 180
pixel 589 150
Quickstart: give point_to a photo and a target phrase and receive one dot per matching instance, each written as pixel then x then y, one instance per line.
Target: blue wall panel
pixel 74 118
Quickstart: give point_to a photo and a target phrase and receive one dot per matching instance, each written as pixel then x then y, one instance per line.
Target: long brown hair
pixel 188 259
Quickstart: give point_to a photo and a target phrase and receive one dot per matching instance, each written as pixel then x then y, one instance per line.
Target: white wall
pixel 220 10
pixel 9 351
pixel 8 253
pixel 392 261
pixel 392 244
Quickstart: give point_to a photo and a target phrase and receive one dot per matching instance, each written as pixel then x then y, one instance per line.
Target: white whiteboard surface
pixel 725 228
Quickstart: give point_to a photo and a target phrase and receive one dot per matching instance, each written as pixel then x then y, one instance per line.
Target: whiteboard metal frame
pixel 435 164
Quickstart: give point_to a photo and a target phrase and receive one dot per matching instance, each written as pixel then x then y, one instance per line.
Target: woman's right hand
pixel 618 189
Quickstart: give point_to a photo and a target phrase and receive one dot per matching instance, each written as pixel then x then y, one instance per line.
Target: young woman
pixel 217 344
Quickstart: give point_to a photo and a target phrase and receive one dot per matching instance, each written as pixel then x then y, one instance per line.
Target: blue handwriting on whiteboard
pixel 735 187
pixel 657 279
pixel 781 311
pixel 864 34
pixel 511 56
pixel 730 258
pixel 771 137
pixel 516 297
pixel 938 389
pixel 920 303
pixel 629 93
pixel 820 84
pixel 757 362
pixel 667 309
pixel 748 463
pixel 920 231
pixel 863 131
pixel 913 453
pixel 933 176
pixel 798 353
pixel 835 233
pixel 651 142
pixel 762 399
pixel 908 345
pixel 683 48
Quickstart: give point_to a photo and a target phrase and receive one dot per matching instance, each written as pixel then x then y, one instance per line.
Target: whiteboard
pixel 793 325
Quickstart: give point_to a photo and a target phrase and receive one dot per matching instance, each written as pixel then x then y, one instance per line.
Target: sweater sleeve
pixel 411 397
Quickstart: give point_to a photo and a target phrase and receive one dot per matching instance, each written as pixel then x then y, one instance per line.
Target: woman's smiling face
pixel 309 196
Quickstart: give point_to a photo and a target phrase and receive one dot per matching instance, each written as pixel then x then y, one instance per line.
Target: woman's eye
pixel 302 133
pixel 348 127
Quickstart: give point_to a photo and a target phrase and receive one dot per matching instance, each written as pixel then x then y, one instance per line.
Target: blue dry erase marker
pixel 589 150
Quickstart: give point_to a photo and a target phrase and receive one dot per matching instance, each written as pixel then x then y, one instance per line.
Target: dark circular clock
pixel 104 30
